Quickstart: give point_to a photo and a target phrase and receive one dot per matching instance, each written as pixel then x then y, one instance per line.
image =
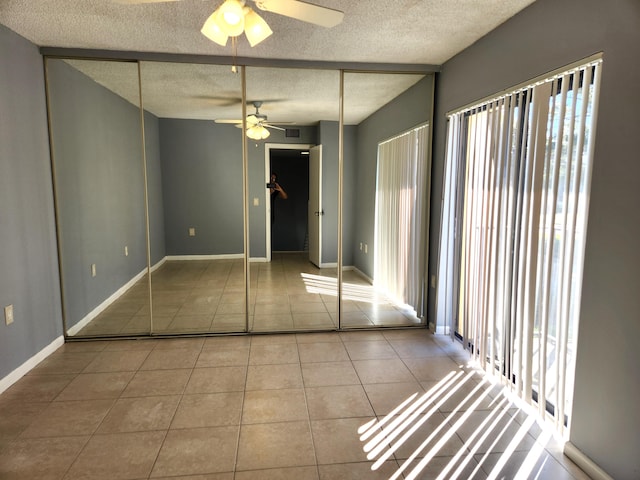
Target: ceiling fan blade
pixel 224 120
pixel 268 125
pixel 307 12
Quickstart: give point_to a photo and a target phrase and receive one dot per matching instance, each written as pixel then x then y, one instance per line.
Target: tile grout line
pixel 244 393
pixel 166 433
pixel 306 404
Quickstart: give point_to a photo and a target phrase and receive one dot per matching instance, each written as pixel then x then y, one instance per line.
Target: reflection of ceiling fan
pixel 234 17
pixel 257 124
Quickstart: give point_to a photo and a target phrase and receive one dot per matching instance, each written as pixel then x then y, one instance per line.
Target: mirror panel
pixel 98 173
pixel 294 231
pixel 378 107
pixel 195 197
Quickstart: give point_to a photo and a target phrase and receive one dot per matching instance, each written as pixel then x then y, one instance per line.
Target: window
pixel 514 221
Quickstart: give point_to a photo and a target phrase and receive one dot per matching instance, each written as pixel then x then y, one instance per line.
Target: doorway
pixel 289 225
pixel 287 220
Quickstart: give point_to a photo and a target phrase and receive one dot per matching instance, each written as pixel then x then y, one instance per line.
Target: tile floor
pixel 287 294
pixel 290 406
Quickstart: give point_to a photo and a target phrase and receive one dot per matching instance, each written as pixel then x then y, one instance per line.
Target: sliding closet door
pixel 97 155
pixel 293 226
pixel 385 198
pixel 195 177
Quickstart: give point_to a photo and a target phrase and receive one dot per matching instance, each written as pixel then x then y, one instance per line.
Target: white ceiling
pixel 423 32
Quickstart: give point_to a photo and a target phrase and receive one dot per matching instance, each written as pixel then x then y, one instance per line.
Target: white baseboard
pixel 23 369
pixel 258 260
pixel 107 302
pixel 362 274
pixel 205 257
pixel 158 265
pixel 122 290
pixel 585 463
pixel 329 265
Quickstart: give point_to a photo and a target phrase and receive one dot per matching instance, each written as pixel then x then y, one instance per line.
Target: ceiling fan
pixel 234 17
pixel 257 124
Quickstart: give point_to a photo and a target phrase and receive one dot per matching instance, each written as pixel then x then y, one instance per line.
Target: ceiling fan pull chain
pixel 234 44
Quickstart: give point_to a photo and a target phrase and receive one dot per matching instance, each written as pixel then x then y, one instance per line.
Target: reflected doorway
pixel 286 223
pixel 292 292
pixel 289 216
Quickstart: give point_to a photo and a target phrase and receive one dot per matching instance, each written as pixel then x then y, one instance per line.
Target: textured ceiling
pixel 423 32
pixel 210 92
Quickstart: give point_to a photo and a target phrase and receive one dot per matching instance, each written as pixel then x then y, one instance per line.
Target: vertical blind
pixel 517 188
pixel 399 257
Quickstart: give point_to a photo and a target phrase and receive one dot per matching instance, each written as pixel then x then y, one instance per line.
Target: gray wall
pixel 154 187
pixel 99 188
pixel 546 36
pixel 349 246
pixel 28 259
pixel 328 138
pixel 202 187
pixel 409 110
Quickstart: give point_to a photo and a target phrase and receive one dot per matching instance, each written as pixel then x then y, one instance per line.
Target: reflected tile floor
pixel 318 406
pixel 287 294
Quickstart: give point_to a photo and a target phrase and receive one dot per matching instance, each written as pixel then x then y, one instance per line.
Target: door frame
pixel 267 175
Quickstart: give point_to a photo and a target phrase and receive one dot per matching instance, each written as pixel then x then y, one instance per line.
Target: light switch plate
pixel 8 314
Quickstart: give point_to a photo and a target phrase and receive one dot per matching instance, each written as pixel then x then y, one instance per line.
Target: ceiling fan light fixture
pixel 230 17
pixel 255 27
pixel 258 132
pixel 212 30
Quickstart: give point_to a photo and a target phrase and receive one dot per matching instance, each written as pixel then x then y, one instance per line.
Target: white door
pixel 315 205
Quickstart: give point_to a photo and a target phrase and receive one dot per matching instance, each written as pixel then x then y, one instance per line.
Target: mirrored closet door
pixel 293 120
pixel 386 179
pixel 97 159
pixel 195 182
pixel 173 219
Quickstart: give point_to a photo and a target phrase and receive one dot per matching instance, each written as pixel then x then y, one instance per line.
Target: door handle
pixel 317 214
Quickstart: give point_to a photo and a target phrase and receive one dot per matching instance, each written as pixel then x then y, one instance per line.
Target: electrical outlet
pixel 366 248
pixel 8 314
pixel 360 246
pixel 192 232
pixel 93 270
pixel 126 251
pixel 256 202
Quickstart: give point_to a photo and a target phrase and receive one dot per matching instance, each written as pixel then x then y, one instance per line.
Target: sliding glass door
pixel 520 214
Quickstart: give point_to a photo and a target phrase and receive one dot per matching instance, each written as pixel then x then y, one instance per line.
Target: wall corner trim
pixel 585 463
pixel 23 369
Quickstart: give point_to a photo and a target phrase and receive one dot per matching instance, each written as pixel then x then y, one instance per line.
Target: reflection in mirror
pixel 293 198
pixel 386 190
pixel 195 176
pixel 100 201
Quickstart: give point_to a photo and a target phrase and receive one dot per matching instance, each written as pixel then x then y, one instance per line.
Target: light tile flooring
pixel 290 406
pixel 287 294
